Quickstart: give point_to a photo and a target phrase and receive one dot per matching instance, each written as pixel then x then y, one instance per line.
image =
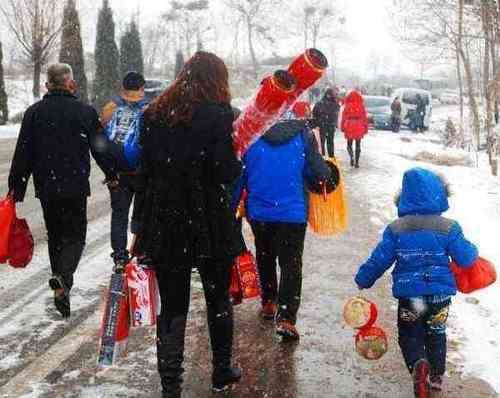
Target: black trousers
pixel 66 223
pixel 175 285
pixel 327 134
pixel 422 331
pixel 283 242
pixel 122 198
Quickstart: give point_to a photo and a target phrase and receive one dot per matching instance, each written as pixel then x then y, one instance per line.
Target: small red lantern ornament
pixel 360 313
pixel 371 343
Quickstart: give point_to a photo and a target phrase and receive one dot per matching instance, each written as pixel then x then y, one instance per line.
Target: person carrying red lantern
pixel 421 243
pixel 354 124
pixel 277 169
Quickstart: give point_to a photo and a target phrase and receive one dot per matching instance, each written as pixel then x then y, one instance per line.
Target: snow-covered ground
pixel 475 320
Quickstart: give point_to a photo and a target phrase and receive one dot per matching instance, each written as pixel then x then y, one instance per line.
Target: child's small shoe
pixel 421 373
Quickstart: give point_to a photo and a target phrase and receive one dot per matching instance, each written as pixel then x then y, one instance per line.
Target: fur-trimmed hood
pixel 423 193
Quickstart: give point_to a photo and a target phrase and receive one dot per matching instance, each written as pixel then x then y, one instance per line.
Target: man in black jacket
pixel 326 114
pixel 53 145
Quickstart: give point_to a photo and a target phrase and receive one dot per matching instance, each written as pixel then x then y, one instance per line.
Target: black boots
pixel 61 295
pixel 351 154
pixel 221 337
pixel 170 352
pixel 358 155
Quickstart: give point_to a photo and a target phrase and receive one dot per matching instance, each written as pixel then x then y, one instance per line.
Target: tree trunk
pixel 251 48
pixel 468 75
pixel 461 93
pixel 37 71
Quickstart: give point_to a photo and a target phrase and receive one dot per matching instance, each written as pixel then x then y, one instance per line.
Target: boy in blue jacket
pixel 278 169
pixel 421 243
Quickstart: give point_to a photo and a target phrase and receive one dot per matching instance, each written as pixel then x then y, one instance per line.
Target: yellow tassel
pixel 328 214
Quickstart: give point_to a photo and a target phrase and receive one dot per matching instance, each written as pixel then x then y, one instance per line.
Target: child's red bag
pixel 478 276
pixel 20 244
pixel 245 282
pixel 7 216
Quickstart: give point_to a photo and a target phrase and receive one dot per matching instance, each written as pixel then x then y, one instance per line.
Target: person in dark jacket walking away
pixel 326 114
pixel 122 120
pixel 421 243
pixel 277 168
pixel 420 114
pixel 396 115
pixel 187 220
pixel 53 145
pixel 354 124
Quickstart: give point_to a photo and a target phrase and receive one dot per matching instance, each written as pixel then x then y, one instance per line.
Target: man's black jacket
pixel 56 136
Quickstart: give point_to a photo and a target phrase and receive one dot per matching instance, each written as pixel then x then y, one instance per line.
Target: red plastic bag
pixel 7 216
pixel 245 283
pixel 143 294
pixel 20 244
pixel 480 275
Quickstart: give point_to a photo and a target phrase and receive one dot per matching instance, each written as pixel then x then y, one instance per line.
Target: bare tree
pixel 255 16
pixel 36 25
pixel 318 16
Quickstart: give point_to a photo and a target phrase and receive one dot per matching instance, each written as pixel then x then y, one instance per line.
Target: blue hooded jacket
pixel 421 242
pixel 276 170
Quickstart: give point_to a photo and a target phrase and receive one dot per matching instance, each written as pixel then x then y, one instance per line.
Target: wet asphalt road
pixel 59 357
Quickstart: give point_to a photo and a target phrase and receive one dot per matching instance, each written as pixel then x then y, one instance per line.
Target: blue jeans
pixel 422 331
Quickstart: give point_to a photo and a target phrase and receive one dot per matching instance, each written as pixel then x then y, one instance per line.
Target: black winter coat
pixel 326 113
pixel 185 173
pixel 53 145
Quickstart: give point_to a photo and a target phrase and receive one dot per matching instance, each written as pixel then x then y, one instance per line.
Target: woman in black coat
pixel 187 222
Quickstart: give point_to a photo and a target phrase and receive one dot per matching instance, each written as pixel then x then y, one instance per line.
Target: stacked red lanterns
pixel 277 93
pixel 370 341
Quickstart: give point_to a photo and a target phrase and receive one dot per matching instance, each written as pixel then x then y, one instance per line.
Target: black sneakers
pixel 223 378
pixel 61 295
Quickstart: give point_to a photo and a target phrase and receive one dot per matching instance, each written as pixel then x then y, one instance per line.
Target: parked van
pixel 408 97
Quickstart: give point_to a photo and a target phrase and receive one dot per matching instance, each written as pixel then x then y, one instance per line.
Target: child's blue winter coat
pixel 276 170
pixel 420 242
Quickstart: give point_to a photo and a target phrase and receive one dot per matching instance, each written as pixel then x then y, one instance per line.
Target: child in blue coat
pixel 421 243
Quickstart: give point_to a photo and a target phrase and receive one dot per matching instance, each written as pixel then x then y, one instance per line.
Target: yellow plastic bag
pixel 328 214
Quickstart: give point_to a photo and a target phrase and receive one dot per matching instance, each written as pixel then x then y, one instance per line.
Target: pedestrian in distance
pixel 122 119
pixel 187 164
pixel 396 115
pixel 354 124
pixel 278 169
pixel 421 242
pixel 326 114
pixel 420 114
pixel 56 136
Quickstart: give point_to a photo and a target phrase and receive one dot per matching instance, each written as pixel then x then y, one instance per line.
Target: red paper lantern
pixel 360 313
pixel 478 276
pixel 371 343
pixel 307 69
pixel 270 101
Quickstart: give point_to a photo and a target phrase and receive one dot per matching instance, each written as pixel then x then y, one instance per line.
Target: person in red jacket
pixel 354 124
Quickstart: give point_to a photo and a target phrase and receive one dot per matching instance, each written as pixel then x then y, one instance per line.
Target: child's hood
pixel 423 193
